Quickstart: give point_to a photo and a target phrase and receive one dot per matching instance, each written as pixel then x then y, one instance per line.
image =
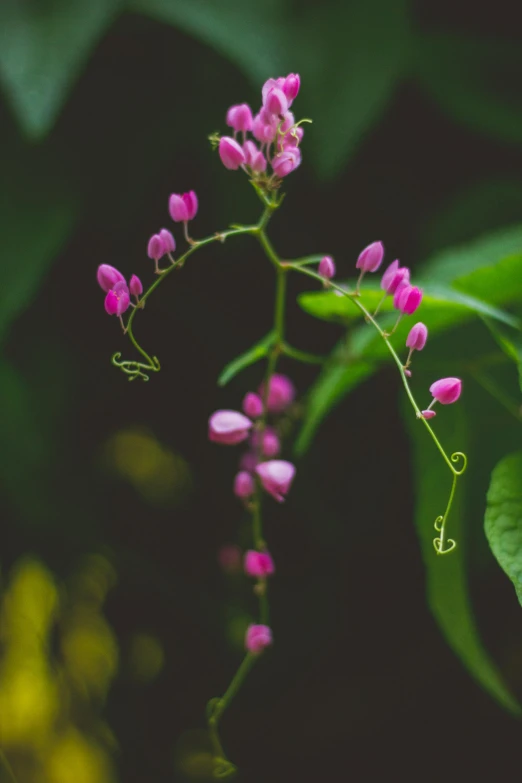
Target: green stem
pixel 302 356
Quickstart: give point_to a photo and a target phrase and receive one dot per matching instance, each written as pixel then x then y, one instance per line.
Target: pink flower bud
pixel 191 203
pixel 371 257
pixel 416 339
pixel 292 138
pixel 231 153
pixel 271 443
pixel 253 405
pixel 244 486
pixel 135 286
pixel 257 638
pixel 394 277
pixel 291 86
pixel 262 130
pixel 276 102
pixel 270 84
pixel 156 247
pixel 178 208
pixel 169 243
pixel 249 461
pixel 281 393
pixel 326 267
pixel 117 299
pixel 287 161
pixel 240 117
pixel 258 564
pixel 276 477
pixel 427 414
pixel 107 277
pixel 407 298
pixel 254 157
pixel 447 390
pixel 228 427
pixel 229 558
pixel 287 122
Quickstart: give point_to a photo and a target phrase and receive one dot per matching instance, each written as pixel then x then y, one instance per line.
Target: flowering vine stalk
pixel 277 145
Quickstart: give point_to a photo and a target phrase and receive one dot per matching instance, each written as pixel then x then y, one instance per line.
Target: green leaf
pixel 503 519
pixel 501 282
pixel 475 80
pixel 251 35
pixel 44 45
pixel 446 576
pixel 332 385
pixel 351 66
pixel 254 354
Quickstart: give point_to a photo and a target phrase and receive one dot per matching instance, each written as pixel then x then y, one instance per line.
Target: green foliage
pixel 503 520
pixel 446 576
pixel 254 354
pixel 44 45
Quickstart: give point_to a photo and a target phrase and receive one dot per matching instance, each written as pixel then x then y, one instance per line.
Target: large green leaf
pixel 251 35
pixel 253 355
pixel 474 80
pixel 335 382
pixel 351 57
pixel 44 44
pixel 446 576
pixel 503 519
pixel 501 282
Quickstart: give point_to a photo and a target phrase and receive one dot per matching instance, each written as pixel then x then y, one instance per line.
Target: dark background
pixel 360 684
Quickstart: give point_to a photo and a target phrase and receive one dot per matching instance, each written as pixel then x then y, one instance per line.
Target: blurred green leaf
pixel 447 587
pixel 500 283
pixel 475 80
pixel 254 354
pixel 351 57
pixel 44 45
pixel 334 383
pixel 503 519
pixel 251 35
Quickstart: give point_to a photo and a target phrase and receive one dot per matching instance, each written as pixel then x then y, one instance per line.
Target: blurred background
pixel 118 622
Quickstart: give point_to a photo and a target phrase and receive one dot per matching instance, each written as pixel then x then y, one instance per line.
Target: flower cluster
pixel 118 292
pixel 276 134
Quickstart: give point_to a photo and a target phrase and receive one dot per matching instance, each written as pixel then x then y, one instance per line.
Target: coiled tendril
pixel 444 546
pixel 134 369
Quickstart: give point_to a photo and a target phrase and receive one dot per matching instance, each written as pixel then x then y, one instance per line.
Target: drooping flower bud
pixel 276 102
pixel 191 202
pixel 240 117
pixel 254 157
pixel 107 277
pixel 258 564
pixel 394 277
pixel 281 393
pixel 286 161
pixel 252 405
pixel 244 486
pixel 427 414
pixel 135 286
pixel 286 123
pixel 228 427
pixel 446 391
pixel 257 638
pixel 416 339
pixel 271 445
pixel 291 86
pixel 327 267
pixel 292 138
pixel 407 298
pixel 117 300
pixel 231 153
pixel 276 476
pixel 183 206
pixel 371 257
pixel 169 243
pixel 263 130
pixel 270 84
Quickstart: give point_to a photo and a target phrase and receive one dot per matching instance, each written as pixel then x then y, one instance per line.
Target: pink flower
pixel 228 427
pixel 156 248
pixel 276 477
pixel 427 414
pixel 270 84
pixel 258 564
pixel 276 102
pixel 253 405
pixel 231 153
pixel 135 286
pixel 257 638
pixel 244 486
pixel 169 243
pixel 286 161
pixel 263 130
pixel 416 339
pixel 271 443
pixel 292 138
pixel 394 277
pixel 371 257
pixel 117 300
pixel 447 390
pixel 240 117
pixel 254 157
pixel 183 206
pixel 249 461
pixel 291 86
pixel 407 298
pixel 281 393
pixel 107 277
pixel 326 267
